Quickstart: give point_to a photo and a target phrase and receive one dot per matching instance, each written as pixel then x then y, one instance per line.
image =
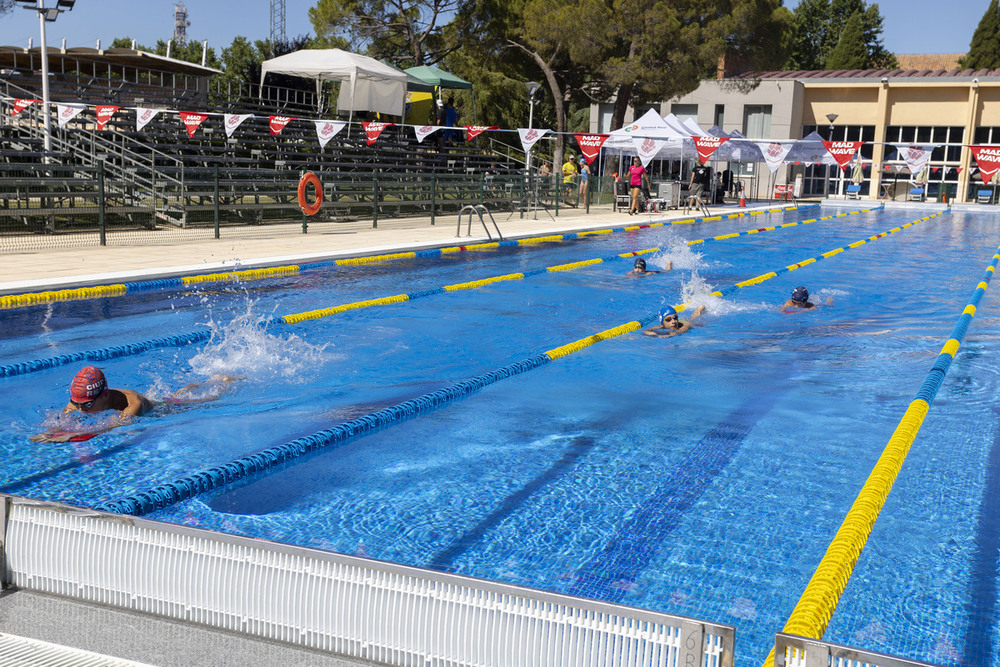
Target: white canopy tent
pixel 369 85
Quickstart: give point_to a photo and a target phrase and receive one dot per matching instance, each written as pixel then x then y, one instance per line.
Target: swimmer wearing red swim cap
pixel 89 393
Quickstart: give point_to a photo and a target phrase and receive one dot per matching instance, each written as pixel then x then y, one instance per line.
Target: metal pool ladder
pixel 478 209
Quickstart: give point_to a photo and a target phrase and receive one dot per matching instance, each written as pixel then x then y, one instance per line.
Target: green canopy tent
pixel 440 79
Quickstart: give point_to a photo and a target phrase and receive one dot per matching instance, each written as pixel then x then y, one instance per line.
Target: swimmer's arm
pixel 670 267
pixel 698 312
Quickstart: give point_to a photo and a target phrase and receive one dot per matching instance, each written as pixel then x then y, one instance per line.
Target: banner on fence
pixel 278 123
pixel 105 112
pixel 590 145
pixel 530 137
pixel 328 129
pixel 67 112
pixel 143 116
pixel 988 159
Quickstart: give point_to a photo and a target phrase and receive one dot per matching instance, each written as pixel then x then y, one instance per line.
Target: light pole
pixel 532 87
pixel 830 117
pixel 46 14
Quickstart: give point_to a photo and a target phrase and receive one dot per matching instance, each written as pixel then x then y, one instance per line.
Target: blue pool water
pixel 703 475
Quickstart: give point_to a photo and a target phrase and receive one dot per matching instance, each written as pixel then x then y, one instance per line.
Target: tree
pixel 850 52
pixel 818 26
pixel 984 51
pixel 6 6
pixel 405 32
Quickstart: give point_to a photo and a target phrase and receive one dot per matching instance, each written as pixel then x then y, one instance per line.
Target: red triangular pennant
pixel 278 123
pixel 842 151
pixel 988 160
pixel 708 145
pixel 20 105
pixel 104 114
pixel 590 145
pixel 192 120
pixel 474 131
pixel 373 130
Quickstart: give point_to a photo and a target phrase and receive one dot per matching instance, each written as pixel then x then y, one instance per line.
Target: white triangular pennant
pixel 233 121
pixel 328 129
pixel 67 112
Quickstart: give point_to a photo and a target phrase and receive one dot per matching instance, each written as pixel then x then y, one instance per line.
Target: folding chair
pixel 916 194
pixel 623 200
pixel 854 191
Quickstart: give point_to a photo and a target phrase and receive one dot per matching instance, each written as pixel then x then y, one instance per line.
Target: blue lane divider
pixel 211 478
pixel 103 354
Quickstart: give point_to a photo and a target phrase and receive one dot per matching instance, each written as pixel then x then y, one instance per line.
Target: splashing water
pixel 244 348
pixel 695 291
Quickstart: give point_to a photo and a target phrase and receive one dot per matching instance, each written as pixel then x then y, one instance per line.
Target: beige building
pixel 948 108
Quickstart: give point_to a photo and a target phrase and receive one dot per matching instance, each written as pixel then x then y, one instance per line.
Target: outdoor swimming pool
pixel 703 475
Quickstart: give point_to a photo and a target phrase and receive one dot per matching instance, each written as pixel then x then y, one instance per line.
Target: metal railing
pixel 391 614
pixel 59 205
pixel 795 651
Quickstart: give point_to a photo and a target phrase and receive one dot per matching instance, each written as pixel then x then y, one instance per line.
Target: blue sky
pixel 911 26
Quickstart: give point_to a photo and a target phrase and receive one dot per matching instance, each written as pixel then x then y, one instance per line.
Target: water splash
pixel 245 348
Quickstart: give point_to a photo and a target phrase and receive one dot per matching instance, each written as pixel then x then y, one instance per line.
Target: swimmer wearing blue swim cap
pixel 800 301
pixel 671 324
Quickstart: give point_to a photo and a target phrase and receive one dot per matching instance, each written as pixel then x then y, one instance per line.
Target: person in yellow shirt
pixel 569 175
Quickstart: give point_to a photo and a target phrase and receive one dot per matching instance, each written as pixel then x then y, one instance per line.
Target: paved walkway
pixel 61 268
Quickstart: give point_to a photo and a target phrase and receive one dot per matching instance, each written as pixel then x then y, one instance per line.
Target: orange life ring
pixel 307 178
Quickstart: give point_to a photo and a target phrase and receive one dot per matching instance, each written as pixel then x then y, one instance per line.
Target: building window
pixel 685 111
pixel 604 114
pixel 757 121
pixel 720 115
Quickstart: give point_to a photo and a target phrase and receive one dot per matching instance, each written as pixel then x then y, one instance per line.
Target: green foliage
pixel 403 32
pixel 818 26
pixel 984 51
pixel 850 52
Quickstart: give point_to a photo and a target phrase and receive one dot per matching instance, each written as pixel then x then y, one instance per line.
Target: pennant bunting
pixel 988 161
pixel 143 116
pixel 278 123
pixel 774 153
pixel 842 151
pixel 474 131
pixel 529 137
pixel 231 121
pixel 20 105
pixel 590 145
pixel 192 121
pixel 708 145
pixel 328 129
pixel 373 130
pixel 67 112
pixel 647 148
pixel 915 155
pixel 105 112
pixel 424 131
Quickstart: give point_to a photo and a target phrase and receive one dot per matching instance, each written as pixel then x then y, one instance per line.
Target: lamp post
pixel 45 15
pixel 532 87
pixel 830 117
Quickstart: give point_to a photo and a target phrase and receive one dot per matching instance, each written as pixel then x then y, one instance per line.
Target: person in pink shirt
pixel 636 174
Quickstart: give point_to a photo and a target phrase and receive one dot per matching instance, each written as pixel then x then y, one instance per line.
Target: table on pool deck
pixel 70 266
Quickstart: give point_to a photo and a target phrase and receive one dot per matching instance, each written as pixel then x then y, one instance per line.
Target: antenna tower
pixel 277 21
pixel 181 24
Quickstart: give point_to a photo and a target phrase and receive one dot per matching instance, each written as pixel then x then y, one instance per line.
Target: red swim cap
pixel 88 384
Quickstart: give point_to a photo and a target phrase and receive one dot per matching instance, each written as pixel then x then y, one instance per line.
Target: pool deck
pixel 192 253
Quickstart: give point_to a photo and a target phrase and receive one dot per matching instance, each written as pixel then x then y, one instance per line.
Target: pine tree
pixel 850 51
pixel 984 51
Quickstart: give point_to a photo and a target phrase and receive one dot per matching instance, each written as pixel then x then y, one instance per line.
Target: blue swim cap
pixel 800 294
pixel 640 263
pixel 666 312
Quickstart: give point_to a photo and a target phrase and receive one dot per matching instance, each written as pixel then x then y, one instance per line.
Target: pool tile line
pixel 819 600
pixel 180 340
pixel 217 476
pixel 119 289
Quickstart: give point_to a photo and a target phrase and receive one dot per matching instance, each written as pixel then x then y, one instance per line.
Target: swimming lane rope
pixel 114 352
pixel 815 607
pixel 217 476
pixel 119 289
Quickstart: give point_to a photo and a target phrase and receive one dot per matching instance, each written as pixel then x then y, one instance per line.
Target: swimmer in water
pixel 671 325
pixel 639 268
pixel 89 393
pixel 800 301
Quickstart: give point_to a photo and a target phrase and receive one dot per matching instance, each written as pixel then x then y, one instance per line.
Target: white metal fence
pixel 356 607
